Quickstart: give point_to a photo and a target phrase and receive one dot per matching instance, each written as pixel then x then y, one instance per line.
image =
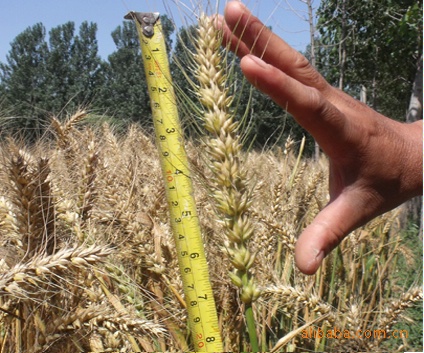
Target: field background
pixel 88 260
pixel 87 257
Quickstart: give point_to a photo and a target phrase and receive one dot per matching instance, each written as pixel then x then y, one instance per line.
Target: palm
pixel 365 149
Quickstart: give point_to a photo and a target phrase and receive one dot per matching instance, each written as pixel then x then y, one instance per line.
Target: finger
pixel 231 41
pixel 327 230
pixel 309 107
pixel 268 46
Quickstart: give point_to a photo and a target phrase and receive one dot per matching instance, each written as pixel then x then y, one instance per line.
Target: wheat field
pixel 88 262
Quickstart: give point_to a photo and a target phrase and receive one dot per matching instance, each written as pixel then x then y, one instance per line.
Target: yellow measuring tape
pixel 202 315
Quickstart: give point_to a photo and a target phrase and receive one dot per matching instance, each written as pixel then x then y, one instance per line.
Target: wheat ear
pixel 229 179
pixel 31 195
pixel 30 277
pixel 290 296
pixel 230 189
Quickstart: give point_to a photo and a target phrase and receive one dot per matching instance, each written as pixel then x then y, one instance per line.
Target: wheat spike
pixel 290 296
pixel 19 279
pixel 393 311
pixel 31 195
pixel 230 189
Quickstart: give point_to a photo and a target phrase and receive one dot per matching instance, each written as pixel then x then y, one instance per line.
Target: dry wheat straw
pixel 68 308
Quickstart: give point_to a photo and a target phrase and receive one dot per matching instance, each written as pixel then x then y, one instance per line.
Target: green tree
pixel 23 80
pixel 368 44
pixel 86 66
pixel 43 78
pixel 73 67
pixel 184 78
pixel 124 93
pixel 59 71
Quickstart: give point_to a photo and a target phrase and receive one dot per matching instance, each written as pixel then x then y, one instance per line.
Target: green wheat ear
pixel 229 182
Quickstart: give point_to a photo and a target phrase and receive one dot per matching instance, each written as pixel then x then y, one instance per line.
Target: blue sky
pixel 17 15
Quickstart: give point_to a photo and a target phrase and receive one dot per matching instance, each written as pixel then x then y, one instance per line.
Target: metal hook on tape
pixel 147 21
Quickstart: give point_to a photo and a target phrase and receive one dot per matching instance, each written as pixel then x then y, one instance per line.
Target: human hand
pixel 375 162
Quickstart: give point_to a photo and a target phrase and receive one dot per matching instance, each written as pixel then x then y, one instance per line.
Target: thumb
pixel 327 230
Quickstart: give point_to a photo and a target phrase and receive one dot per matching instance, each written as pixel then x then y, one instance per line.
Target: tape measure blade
pixel 202 315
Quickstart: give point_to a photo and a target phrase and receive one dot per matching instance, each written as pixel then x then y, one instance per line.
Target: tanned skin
pixel 376 163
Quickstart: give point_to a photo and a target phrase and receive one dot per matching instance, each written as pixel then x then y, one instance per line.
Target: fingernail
pixel 258 61
pixel 239 2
